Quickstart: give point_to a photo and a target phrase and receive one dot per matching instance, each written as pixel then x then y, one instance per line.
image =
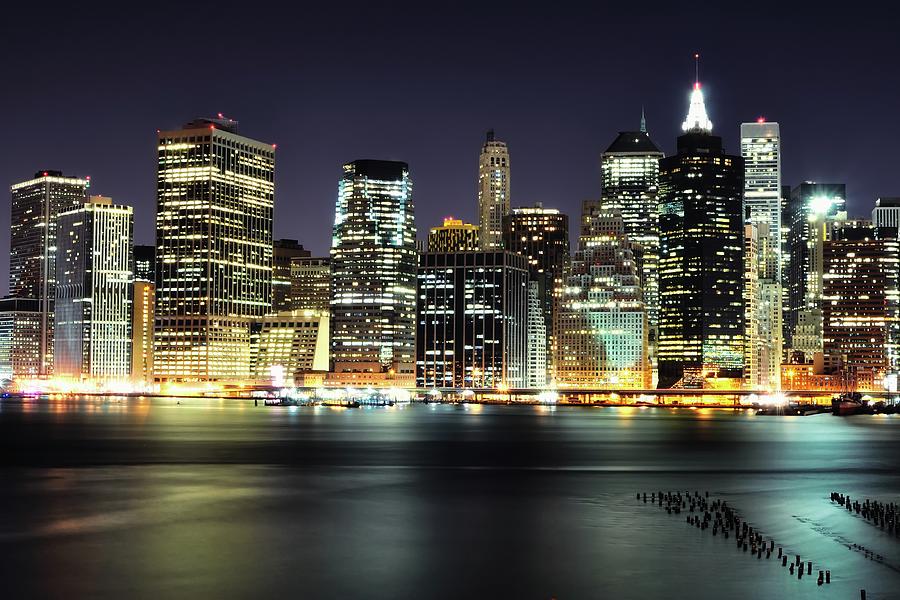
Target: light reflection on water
pixel 209 498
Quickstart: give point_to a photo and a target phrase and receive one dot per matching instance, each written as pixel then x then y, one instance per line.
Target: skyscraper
pixel 886 213
pixel 453 236
pixel 541 235
pixel 94 291
pixel 861 300
pixel 472 320
pixel 143 313
pixel 630 179
pixel 493 191
pixel 20 339
pixel 311 284
pixel 761 151
pixel 284 252
pixel 36 203
pixel 215 195
pixel 813 207
pixel 701 326
pixel 600 328
pixel 373 263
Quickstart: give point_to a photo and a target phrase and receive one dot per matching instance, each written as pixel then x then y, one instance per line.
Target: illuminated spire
pixel 643 120
pixel 697 120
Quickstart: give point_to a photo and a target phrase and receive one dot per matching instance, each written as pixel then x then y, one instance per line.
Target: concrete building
pixel 472 320
pixel 373 266
pixel 36 204
pixel 493 191
pixel 215 195
pixel 94 288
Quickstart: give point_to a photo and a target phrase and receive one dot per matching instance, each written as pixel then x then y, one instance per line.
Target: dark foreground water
pixel 210 499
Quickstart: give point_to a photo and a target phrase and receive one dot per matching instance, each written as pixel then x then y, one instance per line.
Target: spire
pixel 697 120
pixel 643 120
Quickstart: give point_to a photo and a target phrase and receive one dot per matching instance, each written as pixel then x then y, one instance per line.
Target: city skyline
pixel 563 132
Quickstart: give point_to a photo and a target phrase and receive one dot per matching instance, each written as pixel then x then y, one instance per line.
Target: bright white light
pixel 697 117
pixel 819 205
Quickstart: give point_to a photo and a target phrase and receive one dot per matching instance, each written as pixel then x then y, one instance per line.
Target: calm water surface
pixel 212 499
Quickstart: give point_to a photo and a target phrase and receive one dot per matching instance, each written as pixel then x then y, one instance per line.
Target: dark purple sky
pixel 86 89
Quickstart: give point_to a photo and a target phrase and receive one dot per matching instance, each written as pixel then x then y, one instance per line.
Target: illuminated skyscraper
pixel 541 235
pixel 813 207
pixel 630 171
pixel 472 320
pixel 761 151
pixel 493 191
pixel 538 332
pixel 215 194
pixel 861 299
pixel 454 236
pixel 94 290
pixel 701 325
pixel 600 327
pixel 143 313
pixel 284 252
pixel 886 213
pixel 373 263
pixel 36 203
pixel 311 284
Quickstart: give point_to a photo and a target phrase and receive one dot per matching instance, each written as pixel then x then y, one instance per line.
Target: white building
pixel 537 338
pixel 493 191
pixel 94 291
pixel 288 344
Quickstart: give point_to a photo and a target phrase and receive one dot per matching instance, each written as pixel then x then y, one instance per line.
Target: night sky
pixel 86 89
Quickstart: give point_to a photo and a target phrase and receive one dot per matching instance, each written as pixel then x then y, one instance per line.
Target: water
pixel 220 499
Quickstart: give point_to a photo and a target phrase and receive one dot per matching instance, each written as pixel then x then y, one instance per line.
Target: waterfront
pixel 118 498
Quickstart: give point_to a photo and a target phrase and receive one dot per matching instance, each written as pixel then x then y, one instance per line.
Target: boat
pixel 849 403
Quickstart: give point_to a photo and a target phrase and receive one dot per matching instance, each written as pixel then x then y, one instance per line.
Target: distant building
pixel 36 204
pixel 285 346
pixel 373 266
pixel 493 191
pixel 630 171
pixel 453 236
pixel 145 263
pixel 283 253
pixel 142 324
pixel 538 347
pixel 20 339
pixel 215 195
pixel 311 284
pixel 472 320
pixel 809 213
pixel 886 213
pixel 541 235
pixel 94 290
pixel 601 326
pixel 861 299
pixel 701 326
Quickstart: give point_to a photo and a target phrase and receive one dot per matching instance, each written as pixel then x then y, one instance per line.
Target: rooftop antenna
pixel 643 120
pixel 696 70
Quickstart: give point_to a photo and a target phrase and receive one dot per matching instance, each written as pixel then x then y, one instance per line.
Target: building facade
pixel 861 300
pixel 36 204
pixel 601 325
pixel 94 292
pixel 145 263
pixel 472 320
pixel 454 236
pixel 812 208
pixel 493 191
pixel 311 284
pixel 541 235
pixel 143 315
pixel 373 266
pixel 701 326
pixel 287 345
pixel 20 340
pixel 630 179
pixel 538 346
pixel 215 196
pixel 886 213
pixel 283 254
